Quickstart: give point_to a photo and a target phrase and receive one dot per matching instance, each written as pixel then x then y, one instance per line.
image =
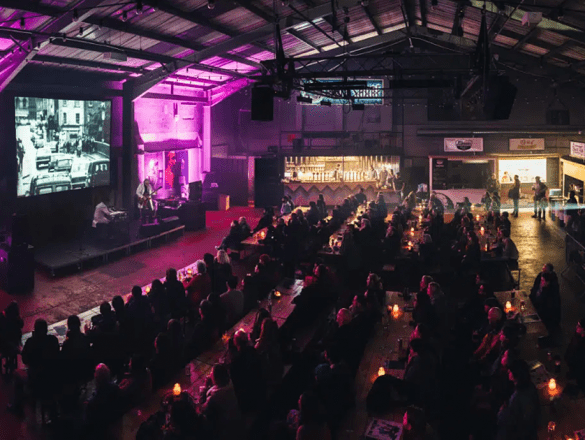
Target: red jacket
pixel 198 288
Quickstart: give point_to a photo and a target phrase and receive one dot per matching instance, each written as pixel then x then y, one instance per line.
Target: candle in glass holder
pixel 508 306
pixel 177 390
pixel 381 371
pixel 277 294
pixel 552 385
pixel 147 290
pixel 552 426
pixel 482 230
pixel 189 271
pixel 477 217
pixel 395 309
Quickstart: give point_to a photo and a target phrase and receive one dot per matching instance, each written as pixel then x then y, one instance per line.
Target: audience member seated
pixel 490 342
pixel 220 405
pixel 162 366
pixel 261 315
pixel 420 375
pixel 200 285
pixel 547 302
pixel 233 301
pixel 575 355
pixel 423 310
pixel 159 301
pixel 11 325
pixel 414 425
pixel 245 367
pixel 233 239
pixel 104 404
pixel 308 423
pixel 218 311
pixel 75 354
pixel 40 354
pixel 268 348
pixel 206 331
pixel 520 416
pixel 222 271
pixel 245 229
pixel 104 337
pixel 140 317
pixel 334 385
pixel 136 385
pixel 265 220
pixel 175 293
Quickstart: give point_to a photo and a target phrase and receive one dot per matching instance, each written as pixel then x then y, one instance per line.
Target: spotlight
pixel 22 23
pixel 211 4
pixel 75 15
pixel 358 107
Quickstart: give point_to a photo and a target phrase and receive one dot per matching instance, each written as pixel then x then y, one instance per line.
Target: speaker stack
pixel 262 104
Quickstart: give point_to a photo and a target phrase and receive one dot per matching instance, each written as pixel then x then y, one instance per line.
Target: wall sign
pixel 458 145
pixel 526 144
pixel 578 150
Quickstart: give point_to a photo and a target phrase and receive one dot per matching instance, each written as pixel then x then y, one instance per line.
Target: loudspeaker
pixel 150 229
pixel 192 215
pixel 170 223
pixel 262 104
pixel 17 269
pixel 196 190
pixel 268 187
pixel 500 97
pixel 20 230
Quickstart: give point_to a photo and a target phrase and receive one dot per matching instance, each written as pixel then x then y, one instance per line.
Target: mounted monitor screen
pixel 61 144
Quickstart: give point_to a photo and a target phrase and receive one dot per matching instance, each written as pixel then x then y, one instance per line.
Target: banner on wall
pixel 526 144
pixel 176 172
pixel 578 150
pixel 458 145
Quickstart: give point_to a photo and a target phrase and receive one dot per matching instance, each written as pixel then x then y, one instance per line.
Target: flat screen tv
pixel 61 144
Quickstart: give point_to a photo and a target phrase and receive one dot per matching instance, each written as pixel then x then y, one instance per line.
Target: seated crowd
pixel 461 361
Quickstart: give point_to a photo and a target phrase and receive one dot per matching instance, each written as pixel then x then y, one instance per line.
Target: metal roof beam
pixel 262 32
pixel 86 63
pixel 176 97
pixel 304 39
pixel 533 32
pixel 13 65
pixel 554 51
pixel 407 7
pixel 202 80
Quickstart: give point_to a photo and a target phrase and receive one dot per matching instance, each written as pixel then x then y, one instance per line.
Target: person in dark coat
pixel 175 293
pixel 575 355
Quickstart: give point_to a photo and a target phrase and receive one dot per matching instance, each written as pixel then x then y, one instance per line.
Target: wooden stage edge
pixel 77 259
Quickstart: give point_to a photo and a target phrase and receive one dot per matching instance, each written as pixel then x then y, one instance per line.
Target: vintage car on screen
pixel 49 183
pixel 90 173
pixel 43 156
pixel 60 163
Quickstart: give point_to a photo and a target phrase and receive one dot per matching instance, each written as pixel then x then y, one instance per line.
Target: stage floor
pixel 54 299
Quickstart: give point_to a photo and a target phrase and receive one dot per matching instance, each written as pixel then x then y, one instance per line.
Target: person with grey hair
pixel 199 287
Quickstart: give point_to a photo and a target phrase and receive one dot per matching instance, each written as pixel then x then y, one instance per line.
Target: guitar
pixel 146 201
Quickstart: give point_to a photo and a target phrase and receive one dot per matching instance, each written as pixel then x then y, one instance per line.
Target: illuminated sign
pixel 463 145
pixel 526 144
pixel 372 94
pixel 578 150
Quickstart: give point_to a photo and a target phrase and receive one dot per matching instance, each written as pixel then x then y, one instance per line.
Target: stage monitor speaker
pixel 170 223
pixel 17 269
pixel 20 230
pixel 150 229
pixel 262 104
pixel 196 190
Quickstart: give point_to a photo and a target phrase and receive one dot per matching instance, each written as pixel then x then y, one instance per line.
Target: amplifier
pixel 170 223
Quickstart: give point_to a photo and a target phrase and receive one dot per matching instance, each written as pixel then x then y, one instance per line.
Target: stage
pixel 92 250
pixel 55 298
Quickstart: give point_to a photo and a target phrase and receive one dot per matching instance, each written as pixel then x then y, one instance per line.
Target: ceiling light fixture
pixel 75 15
pixel 211 4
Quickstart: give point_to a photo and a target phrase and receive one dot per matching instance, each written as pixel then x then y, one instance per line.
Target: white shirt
pixel 100 214
pixel 141 191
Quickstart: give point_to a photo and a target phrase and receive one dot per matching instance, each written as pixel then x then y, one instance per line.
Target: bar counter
pixel 334 192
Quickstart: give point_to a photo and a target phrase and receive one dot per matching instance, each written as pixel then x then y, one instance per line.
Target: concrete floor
pixel 55 299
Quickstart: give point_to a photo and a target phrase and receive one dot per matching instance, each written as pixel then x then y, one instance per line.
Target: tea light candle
pixel 412 230
pixel 177 390
pixel 189 271
pixel 147 290
pixel 381 371
pixel 482 230
pixel 551 426
pixel 508 306
pixel 552 385
pixel 277 294
pixel 395 309
pixel 477 217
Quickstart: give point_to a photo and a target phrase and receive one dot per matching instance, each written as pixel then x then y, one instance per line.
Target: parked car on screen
pixel 61 162
pixel 79 174
pixel 98 173
pixel 50 183
pixel 43 157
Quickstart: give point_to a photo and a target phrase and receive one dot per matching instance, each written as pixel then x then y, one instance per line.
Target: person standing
pixel 399 185
pixel 492 184
pixel 571 212
pixel 514 194
pixel 383 177
pixel 144 192
pixel 539 189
